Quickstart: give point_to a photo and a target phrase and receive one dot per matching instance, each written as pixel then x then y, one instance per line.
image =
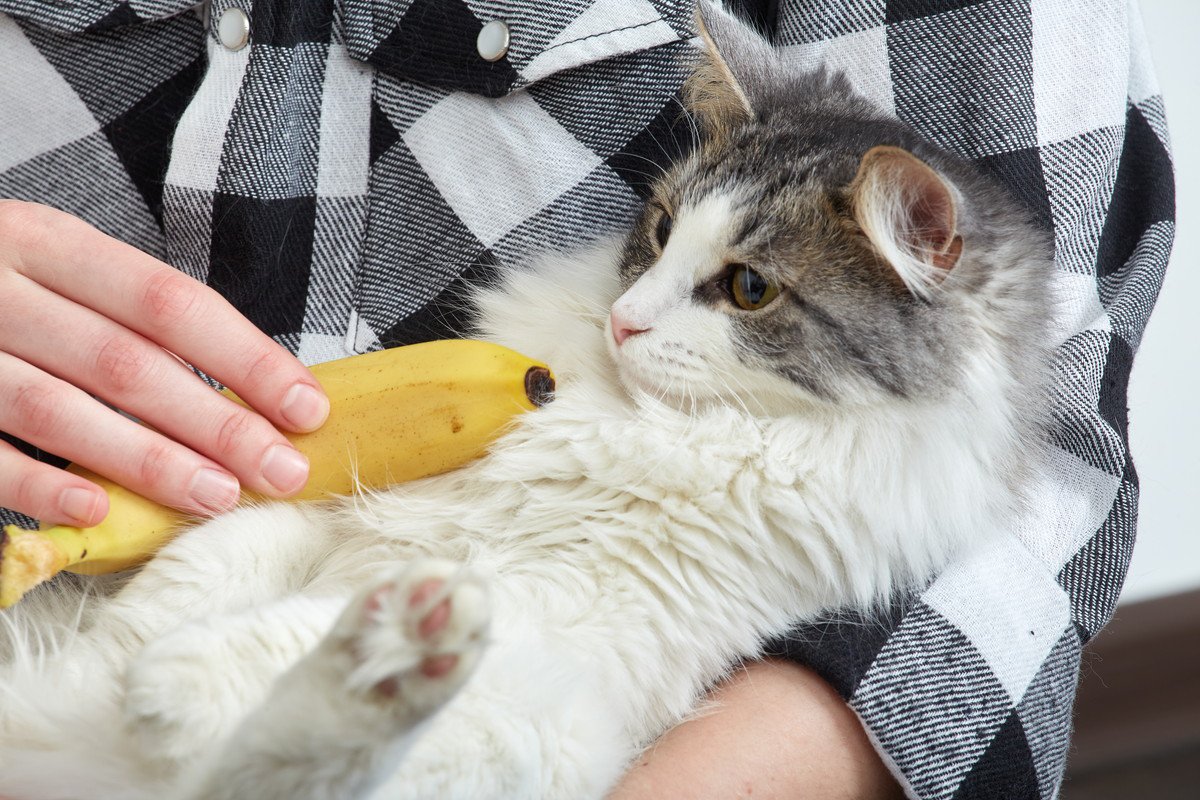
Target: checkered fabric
pixel 344 177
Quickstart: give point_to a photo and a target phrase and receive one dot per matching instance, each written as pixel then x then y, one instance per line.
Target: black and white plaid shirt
pixel 346 174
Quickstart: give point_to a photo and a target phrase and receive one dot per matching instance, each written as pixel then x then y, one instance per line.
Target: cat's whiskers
pixel 690 422
pixel 691 118
pixel 649 178
pixel 665 391
pixel 724 376
pixel 591 308
pixel 667 155
pixel 660 169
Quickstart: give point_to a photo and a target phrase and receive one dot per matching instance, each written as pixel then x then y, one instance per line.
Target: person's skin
pixel 776 731
pixel 83 315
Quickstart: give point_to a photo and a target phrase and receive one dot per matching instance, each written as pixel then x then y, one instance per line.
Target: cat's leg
pixel 338 722
pixel 534 723
pixel 243 559
pixel 188 689
pixel 72 676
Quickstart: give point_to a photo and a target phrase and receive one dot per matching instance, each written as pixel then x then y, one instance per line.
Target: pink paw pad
pixel 417 635
pixel 431 624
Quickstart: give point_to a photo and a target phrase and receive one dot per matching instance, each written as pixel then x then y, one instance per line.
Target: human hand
pixel 774 729
pixel 84 314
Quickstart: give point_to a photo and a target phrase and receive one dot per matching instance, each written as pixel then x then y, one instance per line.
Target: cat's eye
pixel 663 231
pixel 750 290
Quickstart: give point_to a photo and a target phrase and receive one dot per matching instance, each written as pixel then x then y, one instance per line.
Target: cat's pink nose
pixel 622 329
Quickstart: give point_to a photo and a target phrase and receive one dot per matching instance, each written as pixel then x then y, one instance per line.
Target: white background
pixel 1164 394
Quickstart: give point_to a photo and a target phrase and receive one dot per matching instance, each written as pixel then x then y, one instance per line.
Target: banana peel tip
pixel 26 559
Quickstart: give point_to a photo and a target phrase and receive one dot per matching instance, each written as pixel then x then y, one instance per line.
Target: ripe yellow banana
pixel 395 415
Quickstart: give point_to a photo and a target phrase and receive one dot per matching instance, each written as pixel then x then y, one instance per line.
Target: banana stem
pixel 539 386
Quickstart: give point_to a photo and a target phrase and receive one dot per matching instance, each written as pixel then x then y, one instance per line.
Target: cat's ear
pixel 734 73
pixel 910 214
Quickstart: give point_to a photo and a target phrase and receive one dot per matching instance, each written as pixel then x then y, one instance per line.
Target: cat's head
pixel 813 250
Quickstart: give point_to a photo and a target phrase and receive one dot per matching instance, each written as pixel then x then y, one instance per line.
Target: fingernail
pixel 285 468
pixel 78 504
pixel 213 491
pixel 304 407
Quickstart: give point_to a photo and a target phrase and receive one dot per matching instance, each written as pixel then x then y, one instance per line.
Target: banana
pixel 395 415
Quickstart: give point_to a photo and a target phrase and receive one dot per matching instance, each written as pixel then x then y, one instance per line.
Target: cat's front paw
pixel 414 637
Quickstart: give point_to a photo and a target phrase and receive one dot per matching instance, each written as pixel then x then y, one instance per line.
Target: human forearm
pixel 775 730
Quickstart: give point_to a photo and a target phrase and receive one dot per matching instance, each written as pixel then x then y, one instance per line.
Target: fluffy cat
pixel 806 377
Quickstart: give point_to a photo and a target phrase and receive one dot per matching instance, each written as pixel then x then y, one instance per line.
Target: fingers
pixel 137 376
pixel 165 306
pixel 62 419
pixel 48 493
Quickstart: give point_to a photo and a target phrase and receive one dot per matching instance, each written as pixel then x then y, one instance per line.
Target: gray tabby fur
pixel 842 324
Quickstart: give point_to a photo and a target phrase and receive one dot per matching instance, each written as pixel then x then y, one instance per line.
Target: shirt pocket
pixel 436 42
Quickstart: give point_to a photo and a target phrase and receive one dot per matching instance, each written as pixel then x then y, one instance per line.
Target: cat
pixel 809 374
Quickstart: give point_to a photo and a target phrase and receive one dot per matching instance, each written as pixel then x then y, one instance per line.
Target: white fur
pixel 633 552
